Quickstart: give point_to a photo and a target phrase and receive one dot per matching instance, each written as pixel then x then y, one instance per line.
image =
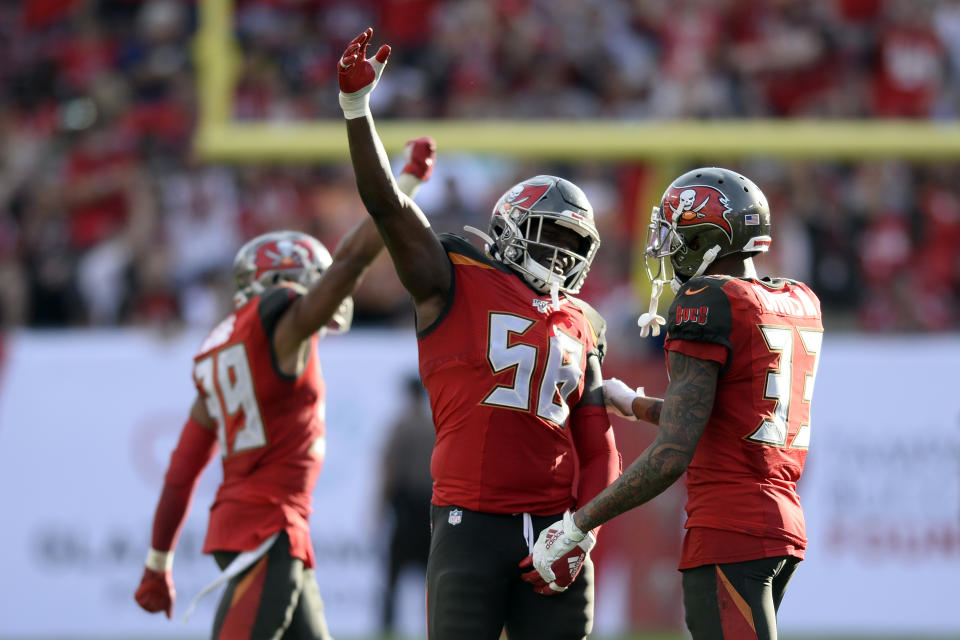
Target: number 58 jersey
pixel 270 429
pixel 766 335
pixel 504 369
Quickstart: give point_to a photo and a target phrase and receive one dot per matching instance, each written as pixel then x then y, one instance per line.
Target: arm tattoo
pixel 652 413
pixel 684 414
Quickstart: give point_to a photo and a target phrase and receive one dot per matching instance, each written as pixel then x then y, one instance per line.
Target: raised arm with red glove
pixel 358 75
pixel 418 256
pixel 198 441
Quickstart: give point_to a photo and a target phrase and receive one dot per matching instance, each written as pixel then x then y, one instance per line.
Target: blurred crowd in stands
pixel 107 218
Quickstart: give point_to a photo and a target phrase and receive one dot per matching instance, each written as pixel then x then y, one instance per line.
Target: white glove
pixel 552 557
pixel 619 398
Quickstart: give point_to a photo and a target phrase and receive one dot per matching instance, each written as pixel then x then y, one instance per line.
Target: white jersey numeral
pixel 779 383
pixel 502 356
pixel 812 341
pixel 228 386
pixel 561 377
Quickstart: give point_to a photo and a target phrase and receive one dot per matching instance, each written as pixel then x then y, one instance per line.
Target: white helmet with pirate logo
pixel 285 257
pixel 521 238
pixel 704 215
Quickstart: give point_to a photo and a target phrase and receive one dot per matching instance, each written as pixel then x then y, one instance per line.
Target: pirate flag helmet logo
pixel 695 205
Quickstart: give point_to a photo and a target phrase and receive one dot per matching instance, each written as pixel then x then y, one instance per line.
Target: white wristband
pixel 589 542
pixel 159 561
pixel 355 105
pixel 572 527
pixel 408 184
pixel 572 536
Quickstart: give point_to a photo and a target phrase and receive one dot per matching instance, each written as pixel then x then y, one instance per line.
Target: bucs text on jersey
pixel 270 429
pixel 742 482
pixel 503 369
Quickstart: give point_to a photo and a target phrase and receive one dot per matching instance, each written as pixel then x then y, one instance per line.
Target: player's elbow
pixel 671 460
pixel 380 200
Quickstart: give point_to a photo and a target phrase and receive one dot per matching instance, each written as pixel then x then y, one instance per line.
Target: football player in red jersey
pixel 512 365
pixel 261 402
pixel 742 354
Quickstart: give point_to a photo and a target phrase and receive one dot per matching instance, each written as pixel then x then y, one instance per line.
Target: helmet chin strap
pixel 650 322
pixel 708 257
pixel 555 295
pixel 487 240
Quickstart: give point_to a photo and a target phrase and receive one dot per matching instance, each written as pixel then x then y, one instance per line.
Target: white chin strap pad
pixel 650 322
pixel 708 257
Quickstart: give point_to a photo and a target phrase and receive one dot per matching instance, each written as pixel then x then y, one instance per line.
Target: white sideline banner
pixel 87 424
pixel 88 420
pixel 881 492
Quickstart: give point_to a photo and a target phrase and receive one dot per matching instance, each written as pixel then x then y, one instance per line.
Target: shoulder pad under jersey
pixel 597 322
pixel 272 304
pixel 454 244
pixel 701 311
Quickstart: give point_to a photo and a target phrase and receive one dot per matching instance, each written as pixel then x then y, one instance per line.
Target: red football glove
pixel 533 577
pixel 566 570
pixel 156 592
pixel 420 155
pixel 559 553
pixel 358 75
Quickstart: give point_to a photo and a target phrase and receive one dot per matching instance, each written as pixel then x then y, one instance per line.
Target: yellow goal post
pixel 220 138
pixel 664 144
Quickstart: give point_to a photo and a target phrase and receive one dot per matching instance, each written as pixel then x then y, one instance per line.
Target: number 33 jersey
pixel 766 336
pixel 269 426
pixel 504 369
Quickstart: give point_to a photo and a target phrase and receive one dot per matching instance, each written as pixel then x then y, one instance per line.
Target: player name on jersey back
pixel 792 303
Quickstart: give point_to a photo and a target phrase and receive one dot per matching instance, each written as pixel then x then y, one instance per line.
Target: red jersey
pixel 742 501
pixel 270 429
pixel 503 370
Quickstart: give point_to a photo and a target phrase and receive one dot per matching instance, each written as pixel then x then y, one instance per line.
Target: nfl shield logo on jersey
pixel 541 305
pixel 456 515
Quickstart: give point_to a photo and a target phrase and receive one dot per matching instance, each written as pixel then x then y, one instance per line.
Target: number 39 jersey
pixel 269 426
pixel 504 369
pixel 766 335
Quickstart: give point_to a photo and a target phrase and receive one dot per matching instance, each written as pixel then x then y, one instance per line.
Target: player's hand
pixel 619 398
pixel 560 551
pixel 420 154
pixel 358 75
pixel 532 576
pixel 156 592
pixel 563 581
